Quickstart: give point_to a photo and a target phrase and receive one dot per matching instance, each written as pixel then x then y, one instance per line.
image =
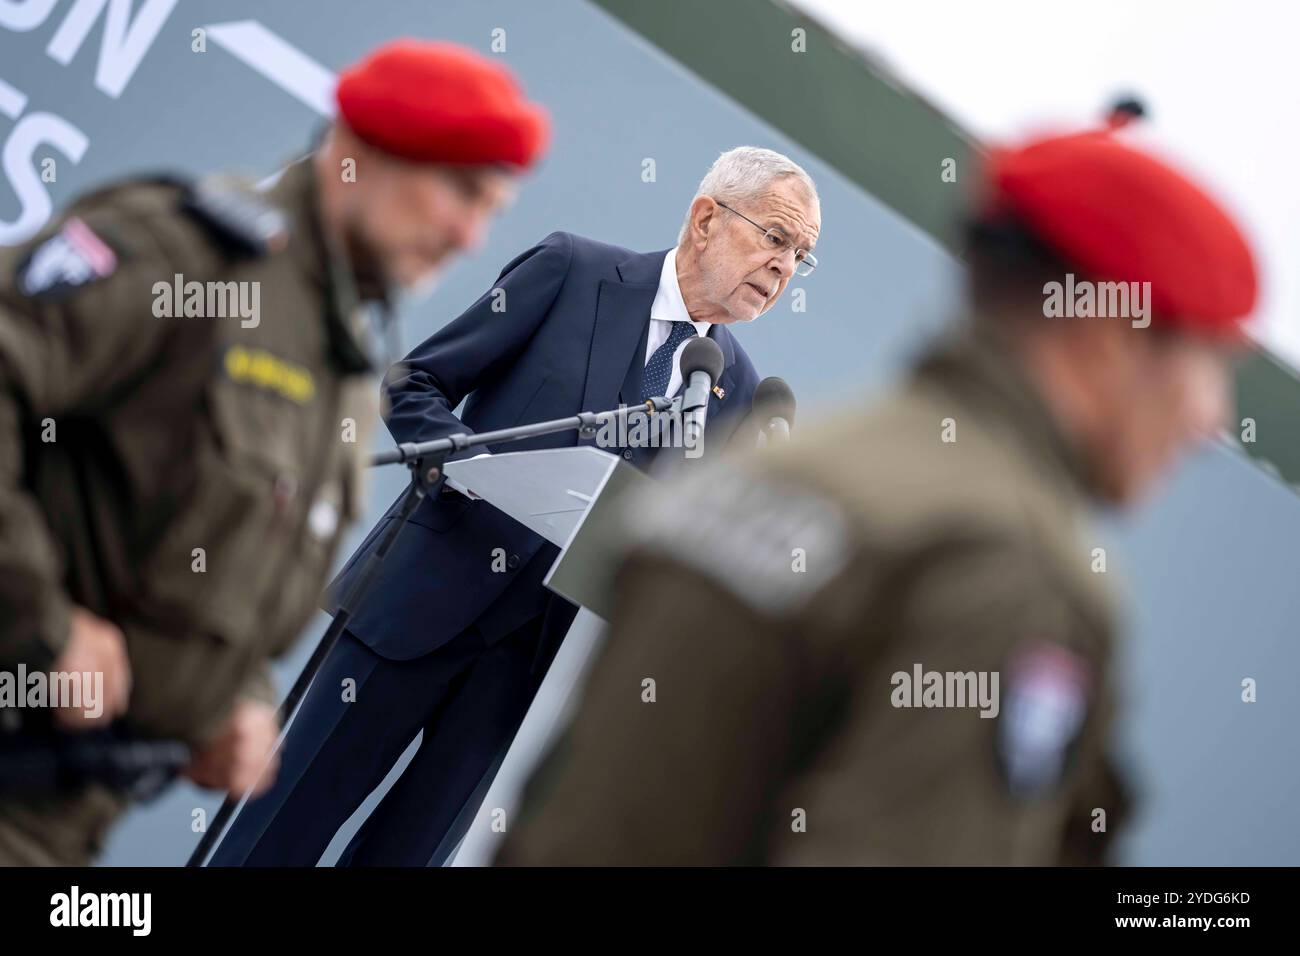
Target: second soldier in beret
pixel 915 662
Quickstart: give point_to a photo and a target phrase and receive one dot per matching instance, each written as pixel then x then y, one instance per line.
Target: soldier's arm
pixel 424 388
pixel 1012 782
pixel 1084 842
pixel 64 351
pixel 260 686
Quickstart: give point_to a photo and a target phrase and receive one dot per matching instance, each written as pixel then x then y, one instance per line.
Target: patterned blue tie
pixel 659 370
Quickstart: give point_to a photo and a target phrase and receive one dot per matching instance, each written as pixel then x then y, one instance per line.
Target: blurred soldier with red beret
pixel 175 472
pixel 915 664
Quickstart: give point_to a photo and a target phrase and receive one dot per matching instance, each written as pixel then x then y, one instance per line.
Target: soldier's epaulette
pixel 237 216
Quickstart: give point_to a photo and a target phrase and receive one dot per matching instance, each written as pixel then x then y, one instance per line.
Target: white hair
pixel 743 173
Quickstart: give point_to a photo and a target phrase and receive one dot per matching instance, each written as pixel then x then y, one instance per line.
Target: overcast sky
pixel 1221 82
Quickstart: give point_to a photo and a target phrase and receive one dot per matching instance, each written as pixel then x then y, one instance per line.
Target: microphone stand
pixel 426 462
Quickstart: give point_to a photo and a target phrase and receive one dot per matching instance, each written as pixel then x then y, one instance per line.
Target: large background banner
pixel 92 90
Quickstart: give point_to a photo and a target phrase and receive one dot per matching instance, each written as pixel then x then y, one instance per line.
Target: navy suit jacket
pixel 568 336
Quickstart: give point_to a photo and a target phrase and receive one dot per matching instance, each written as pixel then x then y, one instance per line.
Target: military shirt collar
pixel 326 265
pixel 974 363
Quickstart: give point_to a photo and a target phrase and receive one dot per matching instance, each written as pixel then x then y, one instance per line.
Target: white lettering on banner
pixel 126 40
pixel 279 61
pixel 17 158
pixel 124 45
pixel 22 16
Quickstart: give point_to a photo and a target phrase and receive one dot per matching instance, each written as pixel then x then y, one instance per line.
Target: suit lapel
pixel 722 335
pixel 616 361
pixel 629 392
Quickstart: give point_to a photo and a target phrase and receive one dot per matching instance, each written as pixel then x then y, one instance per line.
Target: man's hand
pixel 237 758
pixel 95 646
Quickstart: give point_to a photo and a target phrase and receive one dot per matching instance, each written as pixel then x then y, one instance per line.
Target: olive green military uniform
pixel 202 467
pixel 777 604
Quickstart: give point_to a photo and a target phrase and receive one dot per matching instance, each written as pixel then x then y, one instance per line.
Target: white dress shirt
pixel 667 308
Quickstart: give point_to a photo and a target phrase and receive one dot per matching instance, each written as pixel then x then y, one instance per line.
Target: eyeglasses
pixel 774 241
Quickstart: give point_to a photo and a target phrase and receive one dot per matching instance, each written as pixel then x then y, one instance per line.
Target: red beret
pixel 438 102
pixel 1123 216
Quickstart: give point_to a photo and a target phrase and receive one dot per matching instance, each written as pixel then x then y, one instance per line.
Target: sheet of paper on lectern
pixel 547 491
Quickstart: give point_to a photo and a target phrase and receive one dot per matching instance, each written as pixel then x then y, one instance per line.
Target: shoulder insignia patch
pixel 771 545
pixel 1047 701
pixel 72 257
pixel 242 219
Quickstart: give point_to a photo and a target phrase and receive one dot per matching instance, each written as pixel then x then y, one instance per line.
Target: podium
pixel 572 497
pixel 569 496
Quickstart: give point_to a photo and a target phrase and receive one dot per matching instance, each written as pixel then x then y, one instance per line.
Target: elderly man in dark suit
pixel 446 643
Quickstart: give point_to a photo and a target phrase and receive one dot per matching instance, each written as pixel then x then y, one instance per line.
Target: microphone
pixel 769 419
pixel 774 410
pixel 701 364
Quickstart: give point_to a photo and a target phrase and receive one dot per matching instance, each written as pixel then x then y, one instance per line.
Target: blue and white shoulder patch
pixel 72 257
pixel 1047 701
